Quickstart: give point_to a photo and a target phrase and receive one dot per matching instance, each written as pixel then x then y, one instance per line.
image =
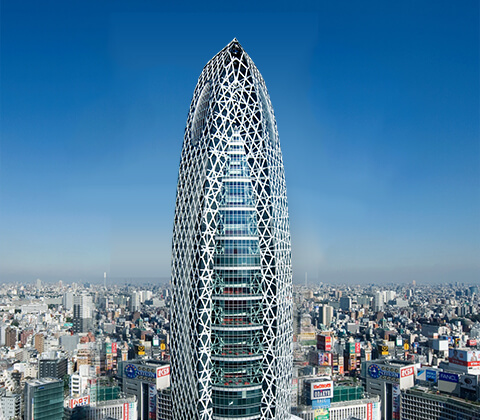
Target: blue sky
pixel 377 105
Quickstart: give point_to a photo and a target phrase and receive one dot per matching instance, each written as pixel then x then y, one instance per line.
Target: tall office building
pixel 231 269
pixel 43 399
pixel 82 313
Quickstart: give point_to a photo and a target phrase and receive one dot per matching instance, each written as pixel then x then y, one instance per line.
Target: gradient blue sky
pixel 377 105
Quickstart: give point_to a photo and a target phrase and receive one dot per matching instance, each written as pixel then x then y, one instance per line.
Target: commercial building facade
pixel 418 404
pixel 231 269
pixel 43 399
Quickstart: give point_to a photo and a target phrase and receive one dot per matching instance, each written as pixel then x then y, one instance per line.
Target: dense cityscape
pixel 104 352
pixel 388 325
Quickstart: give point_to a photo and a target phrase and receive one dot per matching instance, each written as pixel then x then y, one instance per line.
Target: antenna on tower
pixel 105 279
pixel 306 279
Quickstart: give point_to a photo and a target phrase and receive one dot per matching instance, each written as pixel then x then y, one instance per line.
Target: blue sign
pixel 431 375
pixel 449 377
pixel 325 403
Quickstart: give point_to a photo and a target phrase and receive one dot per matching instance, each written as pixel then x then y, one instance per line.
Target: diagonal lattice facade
pixel 231 261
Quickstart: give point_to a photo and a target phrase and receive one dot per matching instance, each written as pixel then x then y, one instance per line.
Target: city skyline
pixel 378 115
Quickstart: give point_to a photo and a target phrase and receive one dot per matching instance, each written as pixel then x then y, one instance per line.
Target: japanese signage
pixel 163 371
pixel 75 402
pixel 369 411
pixel 321 409
pixel 408 371
pixel 431 375
pixel 324 342
pixel 469 359
pixel 321 390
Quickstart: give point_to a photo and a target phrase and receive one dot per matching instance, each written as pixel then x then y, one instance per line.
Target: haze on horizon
pixel 377 107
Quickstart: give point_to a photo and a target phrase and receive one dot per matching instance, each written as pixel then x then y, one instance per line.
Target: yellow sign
pixel 162 346
pixel 141 350
pixel 384 350
pixel 406 346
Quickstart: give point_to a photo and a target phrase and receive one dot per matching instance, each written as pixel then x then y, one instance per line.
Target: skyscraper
pixel 231 262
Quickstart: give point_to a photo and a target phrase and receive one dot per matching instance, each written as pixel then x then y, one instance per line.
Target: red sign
pixel 161 372
pixel 407 372
pixel 369 411
pixel 126 414
pixel 114 348
pixel 357 348
pixel 74 402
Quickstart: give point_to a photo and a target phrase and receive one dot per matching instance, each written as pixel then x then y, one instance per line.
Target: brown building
pixel 39 342
pixel 10 337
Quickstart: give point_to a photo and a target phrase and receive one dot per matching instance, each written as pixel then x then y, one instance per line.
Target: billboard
pixel 324 359
pixel 467 359
pixel 468 382
pixel 324 342
pixel 114 348
pixel 448 377
pixel 369 411
pixel 126 414
pixel 431 375
pixel 152 402
pixel 321 409
pixel 76 402
pixel 163 371
pixel 396 401
pixel 358 348
pixel 322 389
pixel 384 350
pixel 407 371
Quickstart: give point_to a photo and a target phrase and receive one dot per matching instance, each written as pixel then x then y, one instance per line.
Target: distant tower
pixel 231 269
pixel 105 280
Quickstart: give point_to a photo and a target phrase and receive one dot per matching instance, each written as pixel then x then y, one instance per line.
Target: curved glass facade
pixel 231 265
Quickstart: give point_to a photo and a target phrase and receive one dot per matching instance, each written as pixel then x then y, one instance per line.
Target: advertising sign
pixel 141 350
pixel 324 342
pixel 114 349
pixel 321 414
pixel 431 375
pixel 152 402
pixel 108 348
pixel 384 350
pixel 321 409
pixel 396 401
pixel 448 377
pixel 324 359
pixel 469 359
pixel 321 403
pixel 358 349
pixel 321 390
pixel 163 371
pixel 75 402
pixel 369 411
pixel 468 382
pixel 126 414
pixel 387 373
pixel 407 371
